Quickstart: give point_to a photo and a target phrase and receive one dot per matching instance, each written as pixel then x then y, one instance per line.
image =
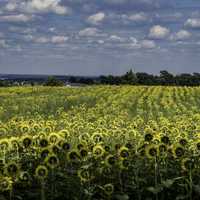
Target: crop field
pixel 100 142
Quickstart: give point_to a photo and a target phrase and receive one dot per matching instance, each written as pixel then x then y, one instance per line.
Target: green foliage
pixel 52 81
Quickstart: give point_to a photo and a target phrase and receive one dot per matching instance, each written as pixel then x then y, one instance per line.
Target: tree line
pixel 129 78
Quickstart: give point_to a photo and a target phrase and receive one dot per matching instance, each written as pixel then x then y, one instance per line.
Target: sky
pixel 96 37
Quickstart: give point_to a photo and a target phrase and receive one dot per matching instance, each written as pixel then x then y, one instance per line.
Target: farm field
pixel 100 142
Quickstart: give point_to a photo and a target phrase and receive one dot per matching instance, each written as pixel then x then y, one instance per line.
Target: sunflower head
pixel 183 141
pixel 108 189
pixel 65 146
pixel 148 137
pixel 151 151
pixel 84 175
pixel 98 151
pixel 41 172
pixel 83 152
pixel 53 138
pixel 12 169
pixel 188 164
pixel 5 184
pixel 124 164
pixel 178 151
pixel 165 140
pixel 44 153
pixel 124 152
pixel 27 141
pixel 110 160
pixel 43 142
pixel 24 177
pixel 73 156
pixel 52 161
pixel 97 137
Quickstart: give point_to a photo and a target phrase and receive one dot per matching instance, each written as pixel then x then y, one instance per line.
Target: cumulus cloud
pixel 44 6
pixel 16 18
pixel 159 32
pixel 115 38
pixel 181 35
pixel 11 6
pixel 193 23
pixel 42 40
pixel 148 44
pixel 3 44
pixel 59 39
pixel 137 17
pixel 88 32
pixel 56 39
pixel 97 18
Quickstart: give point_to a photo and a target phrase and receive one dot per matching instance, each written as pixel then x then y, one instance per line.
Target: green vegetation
pixel 100 142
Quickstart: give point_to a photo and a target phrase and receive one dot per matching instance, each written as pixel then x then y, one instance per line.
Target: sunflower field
pixel 99 143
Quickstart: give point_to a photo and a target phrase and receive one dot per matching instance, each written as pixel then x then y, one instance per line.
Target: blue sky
pixel 94 37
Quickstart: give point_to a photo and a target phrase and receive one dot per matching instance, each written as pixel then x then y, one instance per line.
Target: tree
pixel 129 78
pixel 52 81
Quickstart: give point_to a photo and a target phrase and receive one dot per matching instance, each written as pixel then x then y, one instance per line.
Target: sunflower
pixel 188 164
pixel 43 142
pixel 110 160
pixel 84 175
pixel 148 137
pixel 165 140
pixel 97 137
pixel 14 143
pixel 24 177
pixel 64 133
pixel 27 141
pixel 24 128
pixel 73 156
pixel 65 146
pixel 41 172
pixel 36 127
pixel 183 141
pixel 98 151
pixel 5 184
pixel 178 151
pixel 12 169
pixel 151 151
pixel 83 152
pixel 108 189
pixel 44 153
pixel 48 129
pixel 4 144
pixel 52 161
pixel 53 138
pixel 124 152
pixel 124 164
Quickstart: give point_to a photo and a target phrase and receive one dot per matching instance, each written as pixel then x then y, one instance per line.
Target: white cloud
pixel 181 35
pixel 3 44
pixel 16 18
pixel 115 38
pixel 87 32
pixel 148 44
pixel 11 6
pixel 42 40
pixel 159 32
pixel 44 6
pixel 193 23
pixel 138 17
pixel 97 18
pixel 59 39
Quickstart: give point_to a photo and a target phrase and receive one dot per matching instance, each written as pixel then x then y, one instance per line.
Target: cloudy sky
pixel 93 37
